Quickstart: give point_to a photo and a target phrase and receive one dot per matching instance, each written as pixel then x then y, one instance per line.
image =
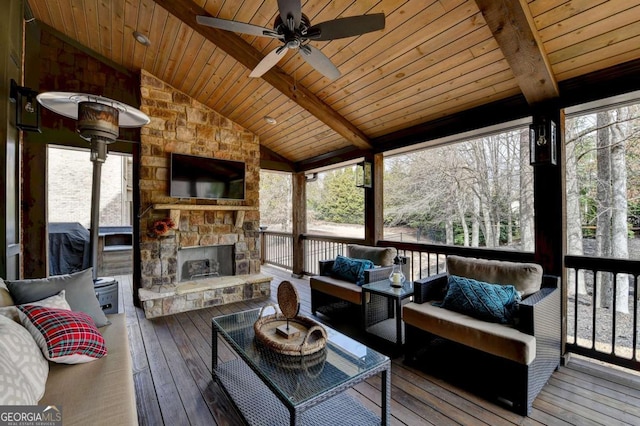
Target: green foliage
pixel 338 200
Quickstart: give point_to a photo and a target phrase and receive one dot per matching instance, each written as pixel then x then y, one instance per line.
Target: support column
pixel 299 221
pixel 373 204
pixel 550 210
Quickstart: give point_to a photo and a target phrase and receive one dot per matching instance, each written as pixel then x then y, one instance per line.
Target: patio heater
pixel 98 119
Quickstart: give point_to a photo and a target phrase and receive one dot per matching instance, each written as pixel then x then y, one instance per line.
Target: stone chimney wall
pixel 183 125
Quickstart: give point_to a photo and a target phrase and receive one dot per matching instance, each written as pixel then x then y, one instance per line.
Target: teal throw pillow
pixel 488 302
pixel 351 270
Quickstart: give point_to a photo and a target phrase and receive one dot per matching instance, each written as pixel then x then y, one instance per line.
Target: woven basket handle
pixel 313 330
pixel 270 305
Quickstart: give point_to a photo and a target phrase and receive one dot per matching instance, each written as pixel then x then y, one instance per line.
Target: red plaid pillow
pixel 67 337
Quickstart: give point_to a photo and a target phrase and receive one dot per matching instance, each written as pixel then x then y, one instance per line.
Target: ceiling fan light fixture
pixel 270 120
pixel 141 38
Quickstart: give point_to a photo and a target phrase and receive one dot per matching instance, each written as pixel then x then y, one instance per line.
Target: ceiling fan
pixel 294 29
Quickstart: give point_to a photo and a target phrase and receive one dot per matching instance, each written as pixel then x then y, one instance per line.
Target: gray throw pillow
pixel 79 292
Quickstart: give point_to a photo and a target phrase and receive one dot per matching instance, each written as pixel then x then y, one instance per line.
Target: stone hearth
pixel 204 293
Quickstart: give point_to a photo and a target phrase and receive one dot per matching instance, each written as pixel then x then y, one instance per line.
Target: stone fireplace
pixel 212 256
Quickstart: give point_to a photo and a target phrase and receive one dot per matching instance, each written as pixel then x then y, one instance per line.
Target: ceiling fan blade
pixel 346 27
pixel 236 27
pixel 319 61
pixel 269 61
pixel 293 8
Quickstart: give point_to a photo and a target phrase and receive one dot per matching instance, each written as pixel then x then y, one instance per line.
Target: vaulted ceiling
pixel 434 59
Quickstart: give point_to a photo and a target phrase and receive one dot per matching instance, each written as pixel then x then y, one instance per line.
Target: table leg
pixel 399 323
pixel 214 349
pixel 386 397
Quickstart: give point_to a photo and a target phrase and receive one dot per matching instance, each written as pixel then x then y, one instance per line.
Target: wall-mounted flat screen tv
pixel 206 178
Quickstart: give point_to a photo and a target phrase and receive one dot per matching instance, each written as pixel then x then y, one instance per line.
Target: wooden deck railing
pixel 592 331
pixel 594 327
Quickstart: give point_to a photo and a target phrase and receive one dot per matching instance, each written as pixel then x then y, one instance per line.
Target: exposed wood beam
pixel 247 55
pixel 271 161
pixel 513 27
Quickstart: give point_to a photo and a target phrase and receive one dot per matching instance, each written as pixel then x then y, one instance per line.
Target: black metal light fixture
pixel 542 142
pixel 364 174
pixel 27 108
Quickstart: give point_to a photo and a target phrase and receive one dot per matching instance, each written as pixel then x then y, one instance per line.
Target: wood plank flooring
pixel 172 374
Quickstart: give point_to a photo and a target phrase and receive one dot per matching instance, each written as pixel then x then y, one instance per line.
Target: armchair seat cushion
pixel 338 288
pixel 497 339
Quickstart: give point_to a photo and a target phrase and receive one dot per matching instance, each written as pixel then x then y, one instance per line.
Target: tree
pixel 275 199
pixel 619 229
pixel 603 198
pixel 340 200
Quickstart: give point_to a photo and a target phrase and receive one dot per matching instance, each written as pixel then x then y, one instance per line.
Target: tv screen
pixel 206 178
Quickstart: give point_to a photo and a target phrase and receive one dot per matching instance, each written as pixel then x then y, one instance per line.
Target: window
pixel 275 201
pixel 603 178
pixel 335 206
pixel 70 174
pixel 474 192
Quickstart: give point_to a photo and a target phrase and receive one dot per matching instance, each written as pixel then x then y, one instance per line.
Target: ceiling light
pixel 141 38
pixel 270 120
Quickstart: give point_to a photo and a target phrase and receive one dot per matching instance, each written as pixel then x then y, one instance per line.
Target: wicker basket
pixel 311 339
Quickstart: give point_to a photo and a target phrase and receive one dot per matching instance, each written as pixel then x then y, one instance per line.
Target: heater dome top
pixel 66 104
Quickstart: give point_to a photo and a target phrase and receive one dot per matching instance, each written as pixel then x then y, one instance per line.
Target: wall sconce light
pixel 27 107
pixel 542 142
pixel 364 174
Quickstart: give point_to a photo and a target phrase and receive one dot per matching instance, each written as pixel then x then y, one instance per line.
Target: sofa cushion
pixel 99 392
pixel 501 340
pixel 380 256
pixel 488 302
pixel 525 277
pixel 80 292
pixel 23 369
pixel 351 270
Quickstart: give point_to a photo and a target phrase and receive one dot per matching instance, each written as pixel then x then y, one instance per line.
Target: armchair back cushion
pixel 525 277
pixel 380 256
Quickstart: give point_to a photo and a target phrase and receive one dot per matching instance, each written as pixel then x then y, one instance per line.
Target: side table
pixel 395 296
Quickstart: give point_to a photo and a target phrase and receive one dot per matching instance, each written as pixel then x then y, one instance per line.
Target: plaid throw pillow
pixel 64 336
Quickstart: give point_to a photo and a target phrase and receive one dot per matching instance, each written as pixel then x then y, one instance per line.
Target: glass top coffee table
pixel 269 388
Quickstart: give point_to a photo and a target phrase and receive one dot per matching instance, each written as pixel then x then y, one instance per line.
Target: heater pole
pixel 98 156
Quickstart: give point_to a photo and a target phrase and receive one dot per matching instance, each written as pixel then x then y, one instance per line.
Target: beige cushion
pixel 497 339
pixel 380 256
pixel 5 297
pixel 99 392
pixel 525 277
pixel 23 369
pixel 336 287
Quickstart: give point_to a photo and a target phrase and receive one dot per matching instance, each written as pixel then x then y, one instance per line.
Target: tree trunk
pixel 603 196
pixel 619 236
pixel 574 220
pixel 527 237
pixel 449 231
pixel 475 222
pixel 463 222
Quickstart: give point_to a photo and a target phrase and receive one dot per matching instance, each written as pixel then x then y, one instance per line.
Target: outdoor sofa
pixel 507 361
pixel 91 392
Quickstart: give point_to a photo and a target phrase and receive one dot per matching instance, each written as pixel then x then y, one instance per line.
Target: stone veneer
pixel 183 125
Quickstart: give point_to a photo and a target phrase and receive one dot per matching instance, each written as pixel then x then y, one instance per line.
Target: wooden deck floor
pixel 172 374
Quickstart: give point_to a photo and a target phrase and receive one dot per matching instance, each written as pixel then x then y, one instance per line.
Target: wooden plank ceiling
pixel 433 59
